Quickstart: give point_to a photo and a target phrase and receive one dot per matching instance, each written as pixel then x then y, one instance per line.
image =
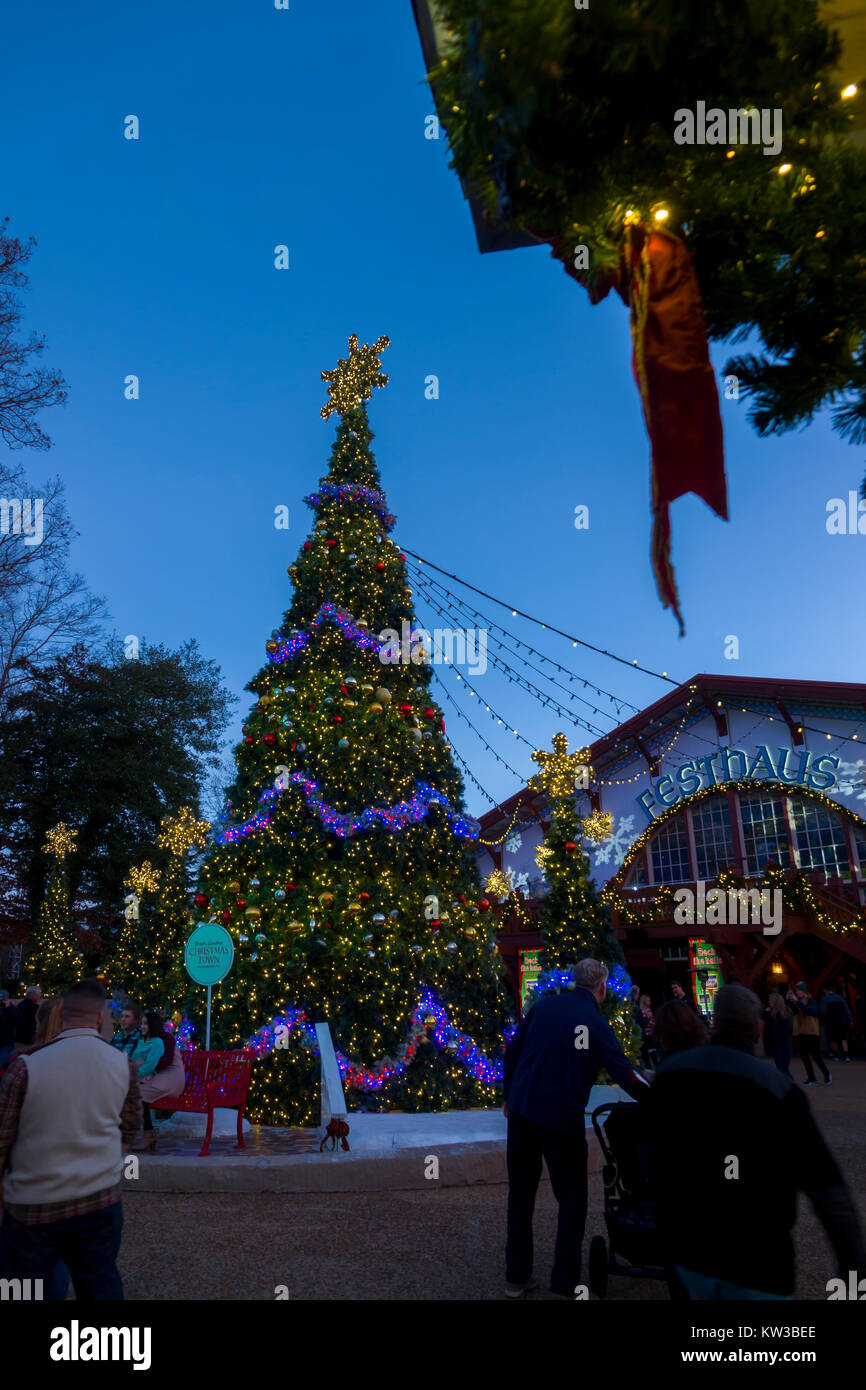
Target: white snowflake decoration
pixel 513 843
pixel 851 780
pixel 618 843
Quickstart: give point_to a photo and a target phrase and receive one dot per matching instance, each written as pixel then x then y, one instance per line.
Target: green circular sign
pixel 208 954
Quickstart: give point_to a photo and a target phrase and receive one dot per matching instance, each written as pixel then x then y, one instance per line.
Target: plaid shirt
pixel 127 1042
pixel 13 1089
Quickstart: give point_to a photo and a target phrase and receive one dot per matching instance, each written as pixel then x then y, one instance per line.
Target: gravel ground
pixel 444 1243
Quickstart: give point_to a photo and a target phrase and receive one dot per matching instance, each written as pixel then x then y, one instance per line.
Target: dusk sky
pixel 156 257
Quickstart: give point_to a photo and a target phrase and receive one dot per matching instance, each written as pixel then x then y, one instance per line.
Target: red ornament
pixel 569 846
pixel 484 905
pixel 290 888
pixel 308 545
pixel 227 916
pixel 270 739
pixel 338 718
pixel 402 557
pixel 405 709
pixel 344 690
pixel 199 899
pixel 380 566
pixel 364 897
pixel 430 713
pixel 249 739
pixel 241 903
pixel 330 544
pixel 434 926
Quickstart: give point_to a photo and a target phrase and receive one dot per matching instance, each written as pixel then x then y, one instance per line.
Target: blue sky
pixel 155 257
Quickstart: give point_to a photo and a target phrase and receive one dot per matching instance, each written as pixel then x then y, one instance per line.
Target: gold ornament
pixel 183 832
pixel 542 855
pixel 326 899
pixel 142 879
pixel 598 826
pixel 383 695
pixel 61 840
pixel 498 884
pixel 354 377
pixel 375 709
pixel 560 769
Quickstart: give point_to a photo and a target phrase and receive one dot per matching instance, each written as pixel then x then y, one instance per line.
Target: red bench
pixel 214 1080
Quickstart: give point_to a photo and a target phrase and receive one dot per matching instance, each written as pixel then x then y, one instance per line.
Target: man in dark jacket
pixel 684 998
pixel 551 1065
pixel 8 1027
pixel 725 1125
pixel 27 1011
pixel 837 1020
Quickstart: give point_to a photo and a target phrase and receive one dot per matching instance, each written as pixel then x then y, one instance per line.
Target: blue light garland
pixel 329 612
pixel 345 824
pixel 358 1078
pixel 353 492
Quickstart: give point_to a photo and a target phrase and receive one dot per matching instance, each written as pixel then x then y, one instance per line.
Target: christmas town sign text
pixel 799 767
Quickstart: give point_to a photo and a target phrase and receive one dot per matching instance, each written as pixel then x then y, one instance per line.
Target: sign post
pixel 208 957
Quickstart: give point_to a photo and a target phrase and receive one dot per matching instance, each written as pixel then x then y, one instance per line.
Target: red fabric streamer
pixel 671 364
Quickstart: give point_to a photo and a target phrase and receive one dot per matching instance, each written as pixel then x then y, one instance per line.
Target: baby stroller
pixel 633 1244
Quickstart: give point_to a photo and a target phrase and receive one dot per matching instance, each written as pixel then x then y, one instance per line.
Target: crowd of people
pixel 716 1120
pixel 74 1099
pixel 793 1020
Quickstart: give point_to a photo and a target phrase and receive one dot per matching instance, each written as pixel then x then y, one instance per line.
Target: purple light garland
pixel 354 492
pixel 329 612
pixel 345 825
pixel 358 1078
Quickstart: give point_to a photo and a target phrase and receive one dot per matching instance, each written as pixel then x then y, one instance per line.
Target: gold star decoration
pixel 61 840
pixel 560 770
pixel 183 832
pixel 498 884
pixel 598 826
pixel 354 377
pixel 142 879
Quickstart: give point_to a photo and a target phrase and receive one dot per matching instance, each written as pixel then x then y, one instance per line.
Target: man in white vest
pixel 67 1113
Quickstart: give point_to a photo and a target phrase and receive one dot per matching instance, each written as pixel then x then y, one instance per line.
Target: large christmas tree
pixel 341 867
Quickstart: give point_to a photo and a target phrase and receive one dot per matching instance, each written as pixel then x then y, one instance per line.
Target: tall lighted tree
pixel 54 960
pixel 574 922
pixel 142 886
pixel 341 868
pixel 157 977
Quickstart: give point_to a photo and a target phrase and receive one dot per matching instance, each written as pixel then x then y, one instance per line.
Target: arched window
pixel 745 831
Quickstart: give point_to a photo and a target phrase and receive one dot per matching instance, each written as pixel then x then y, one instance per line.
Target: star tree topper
pixel 354 377
pixel 562 772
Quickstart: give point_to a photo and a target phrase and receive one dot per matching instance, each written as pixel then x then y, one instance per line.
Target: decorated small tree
pixel 142 885
pixel 156 976
pixel 54 960
pixel 574 922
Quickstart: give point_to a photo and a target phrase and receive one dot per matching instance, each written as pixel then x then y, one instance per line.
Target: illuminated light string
pixel 460 614
pixel 514 675
pixel 612 656
pixel 268 1039
pixel 346 824
pixel 480 736
pixel 420 577
pixel 542 696
pixel 548 627
pixel 658 754
pixel 353 492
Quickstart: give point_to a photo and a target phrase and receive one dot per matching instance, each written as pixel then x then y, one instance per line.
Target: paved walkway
pixel 443 1243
